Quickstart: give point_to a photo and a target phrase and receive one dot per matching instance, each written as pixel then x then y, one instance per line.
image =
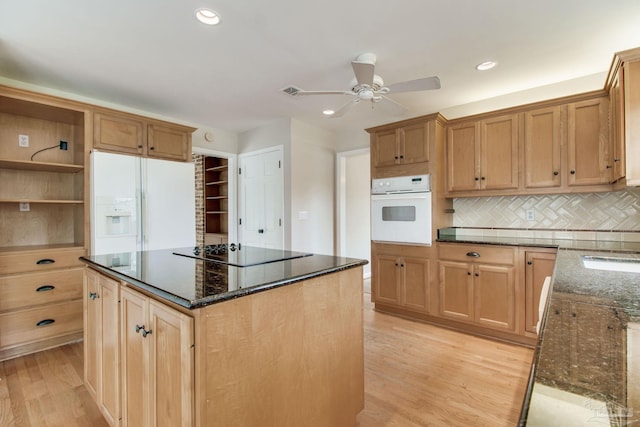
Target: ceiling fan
pixel 368 86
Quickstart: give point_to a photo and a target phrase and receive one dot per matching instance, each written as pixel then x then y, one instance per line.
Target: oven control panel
pixel 401 184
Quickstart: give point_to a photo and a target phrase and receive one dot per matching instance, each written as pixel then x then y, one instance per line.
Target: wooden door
pixel 588 142
pixel 110 350
pixel 414 144
pixel 164 142
pixel 456 290
pixel 542 142
pixel 135 355
pixel 494 296
pixel 171 367
pixel 617 124
pixel 463 157
pixel 499 153
pixel 117 133
pixel 92 332
pixel 386 279
pixel 539 265
pixel 384 148
pixel 261 189
pixel 415 281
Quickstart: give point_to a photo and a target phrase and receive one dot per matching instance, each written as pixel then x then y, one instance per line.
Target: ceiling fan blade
pixel 364 72
pixel 346 107
pixel 324 92
pixel 396 108
pixel 428 83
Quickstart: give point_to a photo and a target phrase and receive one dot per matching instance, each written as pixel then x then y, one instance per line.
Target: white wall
pixel 352 140
pixel 222 141
pixel 312 188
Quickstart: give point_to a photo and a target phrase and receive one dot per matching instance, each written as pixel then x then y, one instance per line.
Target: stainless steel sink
pixel 627 265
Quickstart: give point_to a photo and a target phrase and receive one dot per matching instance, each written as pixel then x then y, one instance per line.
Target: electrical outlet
pixel 23 140
pixel 530 214
pixel 24 207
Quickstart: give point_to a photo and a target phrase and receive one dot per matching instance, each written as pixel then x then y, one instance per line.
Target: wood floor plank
pixel 416 375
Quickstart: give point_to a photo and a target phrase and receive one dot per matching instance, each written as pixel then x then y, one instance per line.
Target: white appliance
pixel 140 203
pixel 401 209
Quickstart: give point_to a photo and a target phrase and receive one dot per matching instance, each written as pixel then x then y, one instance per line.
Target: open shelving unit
pixel 216 195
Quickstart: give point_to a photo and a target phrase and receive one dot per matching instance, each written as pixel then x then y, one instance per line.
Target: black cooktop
pixel 240 255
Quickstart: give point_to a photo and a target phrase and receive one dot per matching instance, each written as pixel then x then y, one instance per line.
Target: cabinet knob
pixel 401 265
pixel 396 157
pixel 139 146
pixel 468 273
pixel 555 173
pixel 477 274
pixel 151 148
pixel 616 160
pixel 145 332
pixel 529 262
pixel 139 328
pixel 483 178
pixel 94 295
pixel 402 157
pixel 609 166
pixel 476 178
pixel 572 172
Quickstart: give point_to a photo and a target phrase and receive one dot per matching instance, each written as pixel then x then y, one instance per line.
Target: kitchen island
pixel 586 364
pixel 202 343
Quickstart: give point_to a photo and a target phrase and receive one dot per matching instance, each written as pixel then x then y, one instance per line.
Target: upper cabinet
pixel 623 84
pixel 130 134
pixel 403 147
pixel 483 155
pixel 588 142
pixel 552 147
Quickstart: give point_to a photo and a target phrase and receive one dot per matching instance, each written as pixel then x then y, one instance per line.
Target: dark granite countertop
pixel 194 283
pixel 586 365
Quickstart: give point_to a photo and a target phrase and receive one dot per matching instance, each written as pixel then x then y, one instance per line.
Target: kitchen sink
pixel 627 265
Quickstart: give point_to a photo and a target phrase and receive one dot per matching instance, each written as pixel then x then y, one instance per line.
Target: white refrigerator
pixel 141 204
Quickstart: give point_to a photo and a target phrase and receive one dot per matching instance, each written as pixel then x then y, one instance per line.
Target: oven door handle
pixel 402 196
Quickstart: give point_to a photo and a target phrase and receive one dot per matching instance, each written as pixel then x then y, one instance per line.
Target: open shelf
pixel 40 166
pixel 216 168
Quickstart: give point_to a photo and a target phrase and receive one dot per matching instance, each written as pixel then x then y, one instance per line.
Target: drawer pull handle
pixel 45 288
pixel 45 261
pixel 138 328
pixel 473 254
pixel 145 333
pixel 45 322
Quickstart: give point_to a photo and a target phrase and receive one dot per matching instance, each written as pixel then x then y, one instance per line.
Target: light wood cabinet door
pixel 92 328
pixel 499 153
pixel 494 297
pixel 456 285
pixel 171 369
pixel 121 134
pixel 463 157
pixel 588 142
pixel 135 354
pixel 616 131
pixel 386 280
pixel 413 144
pixel 109 395
pixel 542 143
pixel 415 283
pixel 538 265
pixel 164 142
pixel 385 148
pixel 157 363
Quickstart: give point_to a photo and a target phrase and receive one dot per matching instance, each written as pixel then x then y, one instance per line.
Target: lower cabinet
pixel 538 265
pixel 101 343
pixel 401 276
pixel 139 356
pixel 478 284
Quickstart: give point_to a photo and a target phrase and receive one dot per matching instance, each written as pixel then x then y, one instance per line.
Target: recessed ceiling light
pixel 207 16
pixel 486 65
pixel 328 112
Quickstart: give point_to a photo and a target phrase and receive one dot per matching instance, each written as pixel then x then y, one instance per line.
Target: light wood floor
pixel 415 375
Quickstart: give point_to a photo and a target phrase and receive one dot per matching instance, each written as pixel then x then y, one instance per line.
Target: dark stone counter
pixel 586 365
pixel 194 283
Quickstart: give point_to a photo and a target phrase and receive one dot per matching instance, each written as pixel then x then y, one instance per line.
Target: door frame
pixel 232 185
pixel 341 194
pixel 241 156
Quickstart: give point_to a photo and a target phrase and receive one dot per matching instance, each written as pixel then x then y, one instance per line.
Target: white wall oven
pixel 401 209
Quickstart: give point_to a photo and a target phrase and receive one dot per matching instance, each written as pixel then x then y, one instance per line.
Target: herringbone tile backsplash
pixel 618 210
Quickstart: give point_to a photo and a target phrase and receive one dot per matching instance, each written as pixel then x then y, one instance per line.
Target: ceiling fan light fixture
pixel 328 112
pixel 486 65
pixel 207 16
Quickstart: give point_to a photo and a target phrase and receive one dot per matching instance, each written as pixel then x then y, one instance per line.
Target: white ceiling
pixel 154 56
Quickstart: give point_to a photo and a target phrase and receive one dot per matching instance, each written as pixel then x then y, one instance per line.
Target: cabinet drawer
pixel 36 324
pixel 486 254
pixel 24 290
pixel 33 261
